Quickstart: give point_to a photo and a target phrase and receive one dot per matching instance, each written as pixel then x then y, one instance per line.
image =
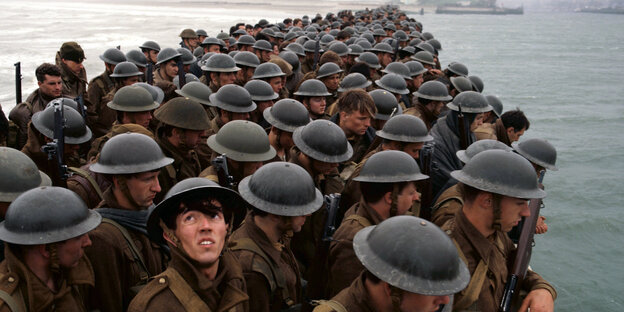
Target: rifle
pixel 149 74
pixel 463 136
pixel 220 165
pixel 426 198
pixel 81 107
pixel 55 149
pixel 523 253
pixel 18 82
pixel 396 50
pixel 317 52
pixel 333 204
pixel 181 73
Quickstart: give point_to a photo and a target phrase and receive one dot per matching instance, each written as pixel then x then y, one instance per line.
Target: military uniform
pixel 31 294
pixel 88 185
pixel 270 270
pixel 485 131
pixel 182 287
pixel 73 85
pixel 354 298
pixel 185 165
pixel 167 86
pixel 486 258
pixel 306 67
pixel 99 115
pixel 117 271
pixel 22 113
pixel 204 153
pixel 448 203
pixel 360 146
pixel 344 266
pixel 421 112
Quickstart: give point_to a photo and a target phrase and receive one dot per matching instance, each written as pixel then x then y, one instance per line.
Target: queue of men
pixel 326 164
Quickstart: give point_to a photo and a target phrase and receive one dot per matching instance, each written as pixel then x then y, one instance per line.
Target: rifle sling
pixel 133 248
pixel 86 175
pixel 361 220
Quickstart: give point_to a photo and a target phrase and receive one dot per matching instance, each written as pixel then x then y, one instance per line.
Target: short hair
pixel 516 119
pixel 343 35
pixel 469 193
pixel 373 192
pixel 47 69
pixel 362 68
pixel 297 20
pixel 330 56
pixel 287 20
pixel 357 100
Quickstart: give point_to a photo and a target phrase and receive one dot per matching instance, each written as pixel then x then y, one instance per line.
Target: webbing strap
pixel 133 248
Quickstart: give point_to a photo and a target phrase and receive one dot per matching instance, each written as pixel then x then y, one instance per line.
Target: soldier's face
pixel 143 187
pixel 75 67
pixel 130 80
pixel 477 122
pixel 323 167
pixel 171 69
pixel 355 122
pixel 139 118
pixel 514 135
pixel 276 84
pixel 213 48
pixel 411 302
pixel 512 211
pixel 51 86
pixel 406 198
pixel 245 74
pixel 71 251
pixel 191 137
pixel 297 223
pixel 413 149
pixel 152 55
pixel 417 81
pixel 332 82
pixel 201 235
pixel 316 104
pixel 227 78
pixel 385 59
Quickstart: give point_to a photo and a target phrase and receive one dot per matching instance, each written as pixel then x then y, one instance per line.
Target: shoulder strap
pixel 472 291
pixel 361 220
pixel 333 304
pixel 277 276
pixel 133 248
pixel 438 205
pixel 183 292
pixel 86 175
pixel 9 301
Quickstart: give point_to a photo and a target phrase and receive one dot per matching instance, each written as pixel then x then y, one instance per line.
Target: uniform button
pixel 161 280
pixel 449 232
pixel 11 280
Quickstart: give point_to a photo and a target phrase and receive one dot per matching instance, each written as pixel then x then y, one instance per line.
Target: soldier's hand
pixel 539 300
pixel 541 227
pixel 435 72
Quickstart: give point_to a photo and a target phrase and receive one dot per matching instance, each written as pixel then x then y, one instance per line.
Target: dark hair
pixel 343 35
pixel 373 192
pixel 516 119
pixel 296 20
pixel 47 69
pixel 362 68
pixel 287 21
pixel 257 212
pixel 470 193
pixel 202 204
pixel 357 100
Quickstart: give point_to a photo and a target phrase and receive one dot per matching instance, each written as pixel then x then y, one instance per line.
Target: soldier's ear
pixel 484 200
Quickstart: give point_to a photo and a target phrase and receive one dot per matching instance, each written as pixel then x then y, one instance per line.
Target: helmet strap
pixel 394 197
pixel 55 264
pixel 395 296
pixel 496 223
pixel 123 187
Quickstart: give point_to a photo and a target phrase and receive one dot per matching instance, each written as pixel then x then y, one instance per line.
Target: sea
pixel 564 70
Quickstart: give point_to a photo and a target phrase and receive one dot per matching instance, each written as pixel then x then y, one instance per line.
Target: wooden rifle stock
pixel 426 197
pixel 523 253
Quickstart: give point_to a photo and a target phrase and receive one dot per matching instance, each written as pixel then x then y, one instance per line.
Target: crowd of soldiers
pixel 211 177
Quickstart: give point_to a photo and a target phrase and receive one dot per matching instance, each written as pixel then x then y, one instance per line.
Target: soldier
pixel 46 231
pixel 495 185
pixel 137 58
pixel 247 62
pixel 151 50
pixel 309 48
pixel 287 69
pixel 263 95
pixel 451 199
pixel 219 70
pixel 271 73
pixel 356 110
pixel 388 188
pixel 401 133
pixel 189 39
pixel 195 220
pixel 263 50
pixel 384 52
pixel 167 70
pixel 292 81
pixel 429 267
pixel 281 196
pixel 233 102
pixel 103 117
pixel 459 84
pixel 245 145
pixel 246 43
pixel 320 147
pixel 330 74
pixel 488 129
pixel 99 87
pixel 50 87
pixel 396 85
pixel 416 72
pixel 201 35
pixel 285 117
pixel 213 45
pixel 511 126
pixel 447 134
pixel 69 58
pixel 132 104
pixel 312 93
pixel 183 123
pixel 387 106
pixel 372 62
pixel 41 131
pixel 132 163
pixel 430 99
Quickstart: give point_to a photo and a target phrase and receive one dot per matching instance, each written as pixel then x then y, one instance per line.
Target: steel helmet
pixel 267 70
pixel 150 45
pixel 461 83
pixel 157 93
pixel 260 90
pixel 458 69
pixel 221 63
pixel 497 105
pixel 183 113
pixel 246 40
pixel 129 153
pixel 399 69
pixel 405 128
pixel 18 174
pixel 370 59
pixel 187 56
pixel 480 146
pixel 233 98
pixel 415 68
pixel 263 45
pixel 537 151
pixel 433 90
pixel 312 87
pixel 390 167
pixel 470 102
pixel 423 57
pixel 137 58
pixel 242 140
pixel 287 115
pixel 75 131
pixel 132 99
pixel 166 55
pixel 354 81
pixel 296 48
pixel 324 141
pixel 188 77
pixel 386 103
pixel 113 56
pixel 477 83
pixel 393 83
pixel 126 69
pixel 196 91
pixel 246 58
pixel 188 34
pixel 328 69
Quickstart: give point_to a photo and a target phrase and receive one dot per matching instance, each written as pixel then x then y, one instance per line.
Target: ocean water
pixel 565 70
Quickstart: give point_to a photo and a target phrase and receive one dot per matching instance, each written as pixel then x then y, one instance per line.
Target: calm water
pixel 566 71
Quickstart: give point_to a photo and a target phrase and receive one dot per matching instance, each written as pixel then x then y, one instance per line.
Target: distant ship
pixel 617 10
pixel 478 7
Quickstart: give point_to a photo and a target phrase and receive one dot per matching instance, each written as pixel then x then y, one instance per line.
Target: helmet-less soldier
pixel 496 185
pixel 388 188
pixel 320 147
pixel 312 93
pixel 50 87
pixel 285 117
pixel 219 70
pixel 183 123
pixel 263 95
pixel 430 99
pixel 449 136
pixel 99 87
pixel 41 131
pixel 281 196
pixel 124 74
pixel 403 133
pixel 69 58
pixel 246 147
pixel 18 174
pixel 195 220
pixel 46 231
pixel 429 267
pixel 167 70
pixel 132 163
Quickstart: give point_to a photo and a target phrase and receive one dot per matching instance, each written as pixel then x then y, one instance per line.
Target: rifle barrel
pixel 18 82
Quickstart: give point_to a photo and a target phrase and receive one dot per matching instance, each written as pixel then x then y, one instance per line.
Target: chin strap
pixel 395 197
pixel 496 223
